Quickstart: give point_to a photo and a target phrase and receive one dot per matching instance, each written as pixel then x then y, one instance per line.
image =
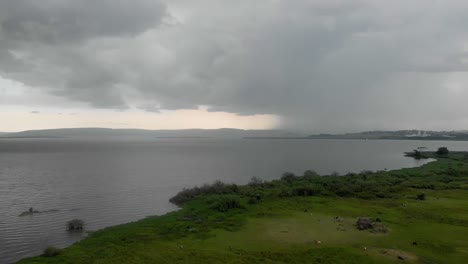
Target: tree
pixel 442 151
pixel 310 173
pixel 255 181
pixel 288 177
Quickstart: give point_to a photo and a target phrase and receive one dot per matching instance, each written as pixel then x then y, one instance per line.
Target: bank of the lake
pixel 418 215
pixel 112 182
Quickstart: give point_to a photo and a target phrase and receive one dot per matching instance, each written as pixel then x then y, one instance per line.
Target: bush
pixel 217 187
pixel 285 192
pixel 75 225
pixel 226 203
pixel 51 251
pixel 255 182
pixel 442 151
pixel 421 197
pixel 344 192
pixel 288 177
pixel 306 191
pixel 310 173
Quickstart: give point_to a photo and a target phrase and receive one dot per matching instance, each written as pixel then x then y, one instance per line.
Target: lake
pixel 112 182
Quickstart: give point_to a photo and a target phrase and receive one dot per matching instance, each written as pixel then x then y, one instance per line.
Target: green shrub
pixel 255 182
pixel 190 194
pixel 285 192
pixel 306 191
pixel 442 151
pixel 310 173
pixel 289 177
pixel 344 192
pixel 226 203
pixel 75 225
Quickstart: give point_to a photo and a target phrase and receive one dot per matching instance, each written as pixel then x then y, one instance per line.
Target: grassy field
pixel 300 219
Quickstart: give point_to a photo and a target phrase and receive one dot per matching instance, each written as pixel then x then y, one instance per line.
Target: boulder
pixel 364 223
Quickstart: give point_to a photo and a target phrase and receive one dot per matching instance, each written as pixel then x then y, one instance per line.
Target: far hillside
pixel 398 135
pixel 121 133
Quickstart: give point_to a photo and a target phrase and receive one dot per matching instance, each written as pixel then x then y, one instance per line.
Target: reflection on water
pixel 112 182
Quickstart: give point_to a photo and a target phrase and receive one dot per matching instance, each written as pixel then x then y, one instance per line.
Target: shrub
pixel 217 187
pixel 255 182
pixel 344 192
pixel 226 203
pixel 288 177
pixel 51 251
pixel 75 225
pixel 442 151
pixel 421 197
pixel 310 173
pixel 285 192
pixel 306 191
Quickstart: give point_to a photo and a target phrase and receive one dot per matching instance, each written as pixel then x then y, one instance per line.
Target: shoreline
pixel 247 198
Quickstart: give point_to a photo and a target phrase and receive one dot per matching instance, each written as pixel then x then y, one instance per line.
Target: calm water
pixel 112 182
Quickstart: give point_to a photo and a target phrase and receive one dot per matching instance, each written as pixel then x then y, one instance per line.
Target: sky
pixel 318 66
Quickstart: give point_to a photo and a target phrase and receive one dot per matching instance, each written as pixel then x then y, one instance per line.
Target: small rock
pixel 401 257
pixel 364 223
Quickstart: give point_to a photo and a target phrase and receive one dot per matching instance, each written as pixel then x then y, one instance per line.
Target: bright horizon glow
pixel 14 121
pixel 27 108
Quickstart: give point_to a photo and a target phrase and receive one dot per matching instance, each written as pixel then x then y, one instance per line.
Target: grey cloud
pixel 321 65
pixel 150 108
pixel 54 21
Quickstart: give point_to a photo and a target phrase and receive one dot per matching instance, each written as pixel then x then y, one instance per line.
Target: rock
pixel 364 223
pixel 29 212
pixel 338 219
pixel 402 257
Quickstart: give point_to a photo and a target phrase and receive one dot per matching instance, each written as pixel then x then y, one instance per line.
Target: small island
pixel 415 215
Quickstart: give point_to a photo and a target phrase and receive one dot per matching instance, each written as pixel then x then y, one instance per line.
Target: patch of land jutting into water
pixel 417 215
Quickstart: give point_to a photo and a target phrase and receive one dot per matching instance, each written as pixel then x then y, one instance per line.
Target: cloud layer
pixel 324 65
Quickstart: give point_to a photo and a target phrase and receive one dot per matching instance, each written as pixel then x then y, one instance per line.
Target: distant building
pixel 420 133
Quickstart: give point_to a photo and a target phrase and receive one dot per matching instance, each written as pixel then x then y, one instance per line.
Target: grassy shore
pixel 421 215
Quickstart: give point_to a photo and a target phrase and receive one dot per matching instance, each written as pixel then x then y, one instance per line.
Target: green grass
pixel 274 223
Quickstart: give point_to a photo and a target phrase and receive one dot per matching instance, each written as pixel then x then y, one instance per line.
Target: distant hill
pixel 119 133
pixel 398 134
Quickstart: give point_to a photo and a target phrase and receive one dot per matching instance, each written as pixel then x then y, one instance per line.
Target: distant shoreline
pixel 13 137
pixel 364 139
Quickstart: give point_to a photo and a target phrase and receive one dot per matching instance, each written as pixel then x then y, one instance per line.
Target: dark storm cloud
pixel 55 21
pixel 327 65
